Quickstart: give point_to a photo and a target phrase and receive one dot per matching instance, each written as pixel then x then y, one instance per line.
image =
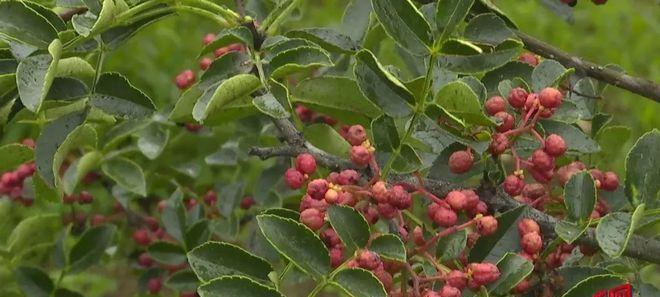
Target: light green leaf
pixel 90 247
pixel 167 253
pixel 13 155
pixel 215 259
pixel 327 38
pixel 233 286
pixel 549 73
pixel 594 284
pixel 328 139
pixel 209 108
pixel 35 75
pixel 75 67
pixel 34 230
pixel 389 246
pixel 449 15
pixel 643 170
pixel 298 59
pixel 350 225
pixel 127 174
pixel 152 140
pixel 405 24
pixel 359 283
pixel 20 23
pixel 79 168
pixel 615 229
pixel 458 99
pixel 270 106
pixel 33 281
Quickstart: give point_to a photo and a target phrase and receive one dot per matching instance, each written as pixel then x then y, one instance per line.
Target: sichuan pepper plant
pixel 296 163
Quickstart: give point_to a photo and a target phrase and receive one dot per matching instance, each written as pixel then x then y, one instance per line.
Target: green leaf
pixel 56 140
pixel 282 212
pixel 580 196
pixel 570 231
pixel 33 281
pixel 174 217
pixel 227 37
pixel 298 59
pixel 611 139
pixel 232 286
pixel 469 63
pixel 230 194
pixel 75 67
pixel 594 284
pixel 390 247
pixel 215 259
pixel 407 160
pixel 405 24
pixel 451 246
pixel 127 174
pixel 577 142
pixel 328 139
pixel 90 247
pixel 118 34
pixel 571 275
pixel 209 108
pixel 350 225
pixel 615 229
pixel 489 29
pixel 91 23
pixel 381 87
pixel 296 243
pixel 358 282
pixel 505 239
pixel 386 136
pixel 449 15
pixel 513 269
pixel 270 106
pixel 35 75
pixel 197 234
pixel 167 253
pixel 355 21
pixel 643 170
pixel 508 71
pixel 549 73
pixel 227 155
pixel 338 97
pixel 79 168
pixel 458 99
pixel 20 23
pixel 327 38
pixel 115 95
pixel 152 140
pixel 183 281
pixel 13 155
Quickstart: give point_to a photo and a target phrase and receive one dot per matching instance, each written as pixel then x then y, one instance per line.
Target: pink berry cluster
pixel 307 115
pixel 473 276
pixel 11 183
pixel 445 212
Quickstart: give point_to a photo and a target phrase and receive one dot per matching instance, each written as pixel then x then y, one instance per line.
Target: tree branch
pixel 639 247
pixel 636 85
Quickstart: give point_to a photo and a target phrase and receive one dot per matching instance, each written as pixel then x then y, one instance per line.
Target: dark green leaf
pixel 296 243
pixel 574 274
pixel 167 253
pixel 90 247
pixel 327 38
pixel 117 35
pixel 359 283
pixel 381 87
pixel 643 170
pixel 67 88
pixel 20 23
pixel 233 286
pixel 458 99
pixel 405 24
pixel 450 14
pixel 594 284
pixel 13 155
pixel 580 196
pixel 115 95
pixel 227 155
pixel 230 194
pixel 215 259
pixel 327 138
pixel 549 73
pixel 197 234
pixel 298 59
pixel 389 246
pixel 614 230
pixel 210 108
pixel 79 168
pixel 386 136
pixel 174 218
pixel 35 75
pixel 152 140
pixel 407 160
pixel 476 63
pixel 227 37
pixel 570 231
pixel 513 269
pixel 350 225
pixel 127 174
pixel 509 71
pixel 505 239
pixel 355 21
pixel 33 281
pixel 183 281
pixel 488 28
pixel 270 106
pixel 451 246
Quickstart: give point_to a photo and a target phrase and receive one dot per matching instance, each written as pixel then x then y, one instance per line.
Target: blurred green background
pixel 626 33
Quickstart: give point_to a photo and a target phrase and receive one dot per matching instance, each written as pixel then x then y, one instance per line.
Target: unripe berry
pixel 542 161
pixel 531 243
pixel 550 98
pixel 368 260
pixel 360 155
pixel 356 135
pixel 486 225
pixel 162 204
pixel 498 144
pixel 205 63
pixel 456 200
pixel 331 196
pixel 386 211
pixel 533 191
pixel 529 58
pixel 336 256
pixel 348 177
pixel 449 291
pixel 247 203
pixel 312 218
pixel 317 188
pixel 494 105
pixel 513 185
pixel 554 145
pixel 445 217
pixel 460 162
pixel 145 260
pixel 456 279
pixel 210 198
pixel 483 273
pixel 507 121
pixel 380 192
pixel 517 97
pixel 141 237
pixel 526 226
pixel 151 222
pixel 154 285
pixel 185 79
pixel 306 163
pixel 208 38
pixel 293 178
pixel 400 198
pixel 610 181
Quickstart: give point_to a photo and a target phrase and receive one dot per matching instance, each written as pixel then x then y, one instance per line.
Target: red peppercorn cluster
pixel 307 116
pixel 11 184
pixel 370 261
pixel 445 212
